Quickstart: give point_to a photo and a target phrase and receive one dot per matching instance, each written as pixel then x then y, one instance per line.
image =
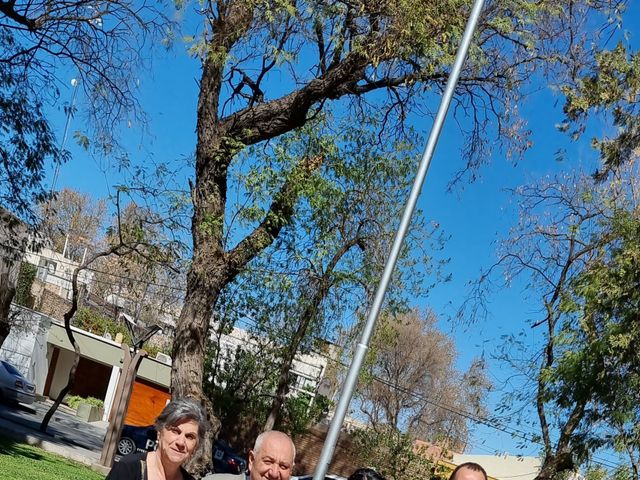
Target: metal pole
pixel 361 348
pixel 74 85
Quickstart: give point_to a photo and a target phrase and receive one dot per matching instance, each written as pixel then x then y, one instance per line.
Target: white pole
pixel 361 348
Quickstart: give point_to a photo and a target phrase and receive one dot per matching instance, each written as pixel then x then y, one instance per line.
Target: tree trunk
pixel 189 354
pixel 555 464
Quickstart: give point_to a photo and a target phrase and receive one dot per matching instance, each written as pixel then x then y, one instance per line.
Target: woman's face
pixel 177 442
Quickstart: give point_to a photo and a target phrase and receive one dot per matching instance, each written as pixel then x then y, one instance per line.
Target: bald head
pixel 272 457
pixel 469 471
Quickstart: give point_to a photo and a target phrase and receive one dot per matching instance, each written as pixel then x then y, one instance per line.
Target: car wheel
pixel 126 446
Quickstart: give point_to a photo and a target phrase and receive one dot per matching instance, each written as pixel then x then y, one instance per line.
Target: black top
pixel 134 467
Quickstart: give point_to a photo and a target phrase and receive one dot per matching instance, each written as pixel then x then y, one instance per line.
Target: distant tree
pixel 410 385
pixel 145 285
pixel 240 383
pixel 127 238
pixel 26 276
pixel 394 454
pixel 72 221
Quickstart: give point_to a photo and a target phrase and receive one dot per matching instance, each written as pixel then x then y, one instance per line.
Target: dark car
pixel 225 460
pixel 137 439
pixel 13 386
pixel 144 439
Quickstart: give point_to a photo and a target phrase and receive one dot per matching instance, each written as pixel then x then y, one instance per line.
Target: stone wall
pixel 48 302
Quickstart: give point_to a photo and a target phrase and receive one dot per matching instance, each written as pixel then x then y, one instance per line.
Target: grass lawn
pixel 23 462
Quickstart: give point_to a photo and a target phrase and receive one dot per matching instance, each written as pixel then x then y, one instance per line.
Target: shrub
pixel 74 400
pixel 91 321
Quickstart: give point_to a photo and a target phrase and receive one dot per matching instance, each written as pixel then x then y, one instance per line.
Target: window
pixel 46 268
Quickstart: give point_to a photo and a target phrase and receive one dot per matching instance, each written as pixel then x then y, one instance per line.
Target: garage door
pixel 147 401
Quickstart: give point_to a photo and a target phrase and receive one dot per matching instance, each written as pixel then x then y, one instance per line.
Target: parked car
pixel 137 439
pixel 13 386
pixel 144 439
pixel 225 460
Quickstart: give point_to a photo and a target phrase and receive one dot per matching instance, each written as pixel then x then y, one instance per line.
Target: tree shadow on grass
pixel 12 448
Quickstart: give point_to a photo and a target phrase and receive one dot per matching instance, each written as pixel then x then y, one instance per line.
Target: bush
pixel 91 321
pixel 74 400
pixel 26 276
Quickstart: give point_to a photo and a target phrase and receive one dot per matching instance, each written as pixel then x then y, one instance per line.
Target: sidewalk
pixel 66 435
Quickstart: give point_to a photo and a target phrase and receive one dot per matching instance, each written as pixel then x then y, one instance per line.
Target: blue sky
pixel 473 215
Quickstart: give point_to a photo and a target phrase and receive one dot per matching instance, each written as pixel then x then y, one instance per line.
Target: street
pixel 64 428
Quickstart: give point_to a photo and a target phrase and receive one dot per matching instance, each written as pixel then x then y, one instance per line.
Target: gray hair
pixel 182 409
pixel 264 435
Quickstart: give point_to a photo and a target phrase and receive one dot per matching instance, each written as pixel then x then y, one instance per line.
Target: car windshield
pixel 11 369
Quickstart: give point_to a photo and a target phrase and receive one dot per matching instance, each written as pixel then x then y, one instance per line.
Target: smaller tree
pixel 15 238
pixel 410 383
pixel 410 391
pixel 241 384
pixel 394 454
pixel 26 276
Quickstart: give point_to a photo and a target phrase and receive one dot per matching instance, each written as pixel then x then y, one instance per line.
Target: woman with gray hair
pixel 181 427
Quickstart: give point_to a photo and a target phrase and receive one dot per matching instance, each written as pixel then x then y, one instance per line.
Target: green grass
pixel 23 462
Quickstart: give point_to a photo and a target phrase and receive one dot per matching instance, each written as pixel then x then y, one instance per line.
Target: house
pixel 41 350
pixel 55 272
pixel 307 370
pixel 15 238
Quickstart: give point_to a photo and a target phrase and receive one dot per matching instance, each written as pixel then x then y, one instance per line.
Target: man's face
pixel 468 474
pixel 273 460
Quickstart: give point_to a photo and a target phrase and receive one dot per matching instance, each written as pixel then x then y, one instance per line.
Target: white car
pixel 13 386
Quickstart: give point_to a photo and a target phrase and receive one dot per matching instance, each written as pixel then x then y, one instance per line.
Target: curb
pixel 51 446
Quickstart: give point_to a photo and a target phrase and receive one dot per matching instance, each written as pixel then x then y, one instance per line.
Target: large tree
pixel 598 356
pixel 268 67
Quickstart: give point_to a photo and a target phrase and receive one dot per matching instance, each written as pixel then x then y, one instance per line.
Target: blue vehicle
pixel 14 387
pixel 225 460
pixel 137 439
pixel 144 439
